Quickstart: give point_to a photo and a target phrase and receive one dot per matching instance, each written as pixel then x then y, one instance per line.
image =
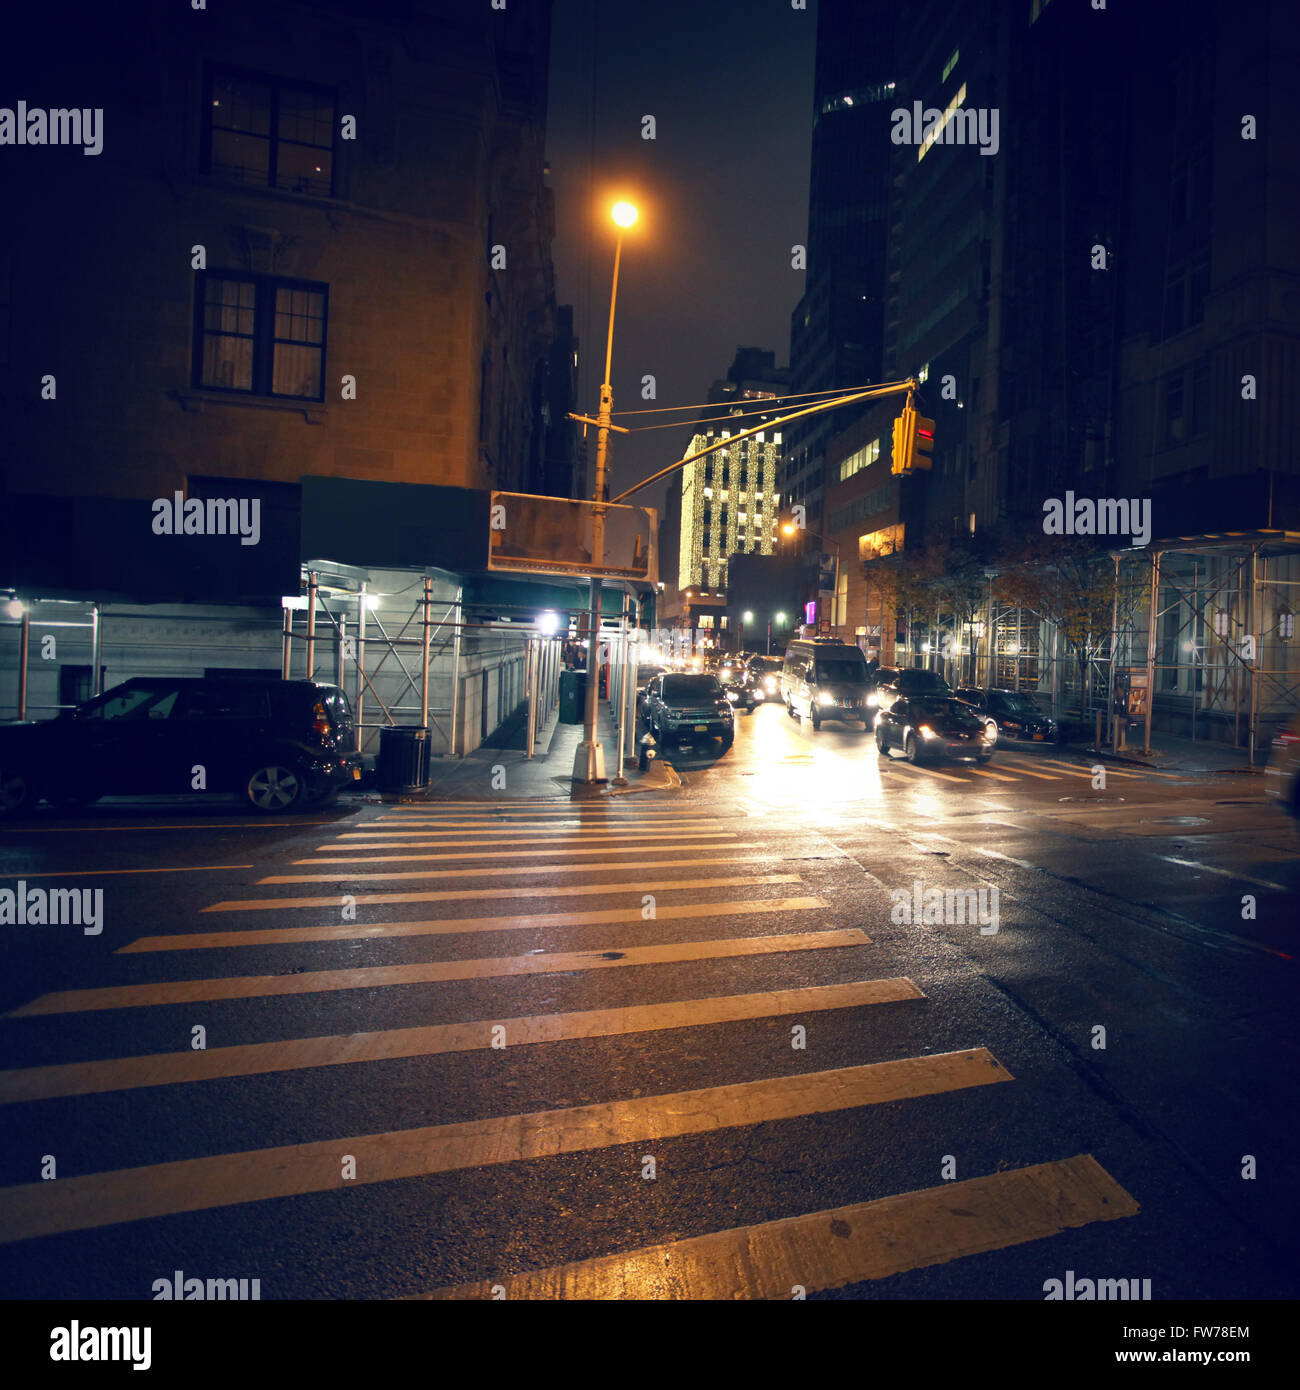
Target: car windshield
pixel 841 669
pixel 1015 704
pixel 691 688
pixel 923 680
pixel 952 710
pixel 762 665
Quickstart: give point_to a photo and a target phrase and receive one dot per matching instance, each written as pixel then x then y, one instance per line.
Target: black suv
pixel 905 685
pixel 278 745
pixel 1015 714
pixel 682 707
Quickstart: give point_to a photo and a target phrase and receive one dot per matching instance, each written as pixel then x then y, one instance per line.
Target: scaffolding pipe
pixel 1151 650
pixel 531 653
pixel 286 644
pixel 96 648
pixel 455 678
pixel 361 662
pixel 1255 662
pixel 312 585
pixel 24 640
pixel 424 653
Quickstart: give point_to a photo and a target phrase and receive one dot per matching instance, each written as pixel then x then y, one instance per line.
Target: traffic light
pixel 913 442
pixel 904 440
pixel 923 442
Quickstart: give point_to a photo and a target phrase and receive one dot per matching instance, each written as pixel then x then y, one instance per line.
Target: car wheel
pixel 881 745
pixel 789 709
pixel 274 788
pixel 911 751
pixel 727 741
pixel 814 719
pixel 16 793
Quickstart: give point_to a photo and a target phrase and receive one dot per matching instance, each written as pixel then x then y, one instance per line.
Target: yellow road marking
pixel 439 895
pixel 842 1246
pixel 922 770
pixel 357 931
pixel 499 854
pixel 431 972
pixel 1025 771
pixel 986 772
pixel 30 1210
pixel 296 1054
pixel 502 870
pixel 1087 771
pixel 546 837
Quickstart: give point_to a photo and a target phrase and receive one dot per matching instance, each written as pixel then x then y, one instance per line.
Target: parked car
pixel 1014 714
pixel 824 678
pixel 899 685
pixel 278 745
pixel 682 707
pixel 1282 771
pixel 932 726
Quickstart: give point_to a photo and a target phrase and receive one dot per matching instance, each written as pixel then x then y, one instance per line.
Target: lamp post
pixel 790 529
pixel 589 758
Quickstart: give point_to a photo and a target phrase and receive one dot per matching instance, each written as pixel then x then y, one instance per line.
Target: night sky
pixel 723 194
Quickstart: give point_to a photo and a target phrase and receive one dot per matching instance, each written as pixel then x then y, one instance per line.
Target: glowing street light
pixel 624 214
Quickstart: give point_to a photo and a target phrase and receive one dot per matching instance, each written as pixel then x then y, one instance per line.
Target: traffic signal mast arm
pixel 888 389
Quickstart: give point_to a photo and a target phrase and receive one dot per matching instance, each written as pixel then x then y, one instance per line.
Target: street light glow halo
pixel 624 214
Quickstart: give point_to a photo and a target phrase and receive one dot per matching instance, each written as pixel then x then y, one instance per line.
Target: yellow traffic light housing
pixel 913 442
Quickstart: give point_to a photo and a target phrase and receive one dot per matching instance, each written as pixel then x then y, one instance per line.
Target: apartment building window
pixel 273 134
pixel 260 336
pixel 1175 406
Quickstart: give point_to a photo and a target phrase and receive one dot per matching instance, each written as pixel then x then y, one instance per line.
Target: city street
pixel 723 1041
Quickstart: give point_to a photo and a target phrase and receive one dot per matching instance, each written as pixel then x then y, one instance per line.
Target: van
pixel 824 678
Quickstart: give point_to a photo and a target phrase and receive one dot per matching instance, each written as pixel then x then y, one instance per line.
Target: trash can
pixel 403 759
pixel 573 696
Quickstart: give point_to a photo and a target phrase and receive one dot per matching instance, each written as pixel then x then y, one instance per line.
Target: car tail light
pixel 320 723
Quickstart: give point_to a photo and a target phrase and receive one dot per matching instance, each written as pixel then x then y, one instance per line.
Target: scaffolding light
pixel 548 624
pixel 15 608
pixel 371 600
pixel 295 601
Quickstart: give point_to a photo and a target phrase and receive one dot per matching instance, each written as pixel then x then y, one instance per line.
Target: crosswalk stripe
pixel 31 1210
pixel 922 770
pixel 423 839
pixel 1087 771
pixel 1004 761
pixel 296 1054
pixel 988 772
pixel 593 813
pixel 431 972
pixel 439 895
pixel 620 866
pixel 499 854
pixel 355 931
pixel 842 1246
pixel 565 826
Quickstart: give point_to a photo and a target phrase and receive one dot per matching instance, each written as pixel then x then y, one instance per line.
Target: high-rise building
pixel 730 498
pixel 837 328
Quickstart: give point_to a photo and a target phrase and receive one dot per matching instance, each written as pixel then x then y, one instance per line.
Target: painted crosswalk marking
pixel 355 931
pixel 503 870
pixel 94 1200
pixel 423 841
pixel 500 854
pixel 432 972
pixel 439 895
pixel 295 1054
pixel 842 1246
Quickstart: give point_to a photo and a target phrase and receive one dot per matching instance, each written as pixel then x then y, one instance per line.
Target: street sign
pixel 554 535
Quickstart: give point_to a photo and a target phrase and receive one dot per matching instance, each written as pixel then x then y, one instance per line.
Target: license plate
pixel 356 774
pixel 701 728
pixel 1038 738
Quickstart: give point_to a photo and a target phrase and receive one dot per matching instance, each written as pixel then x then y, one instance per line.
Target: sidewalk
pixel 1172 753
pixel 548 775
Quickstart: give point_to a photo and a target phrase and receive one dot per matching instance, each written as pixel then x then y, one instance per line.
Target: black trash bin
pixel 573 696
pixel 403 759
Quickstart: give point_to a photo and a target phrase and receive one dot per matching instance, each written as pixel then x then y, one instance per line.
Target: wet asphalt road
pixel 1154 915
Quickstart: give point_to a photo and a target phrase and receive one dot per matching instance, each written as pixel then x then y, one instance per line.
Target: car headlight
pixel 990 731
pixel 758 695
pixel 825 698
pixel 926 731
pixel 770 682
pixel 733 695
pixel 873 701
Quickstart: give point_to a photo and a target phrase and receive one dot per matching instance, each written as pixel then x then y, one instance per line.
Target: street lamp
pixel 780 623
pixel 788 528
pixel 589 758
pixel 746 617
